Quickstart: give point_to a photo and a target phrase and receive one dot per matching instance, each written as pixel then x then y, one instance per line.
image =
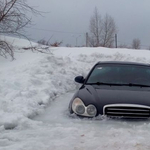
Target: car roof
pixel 123 62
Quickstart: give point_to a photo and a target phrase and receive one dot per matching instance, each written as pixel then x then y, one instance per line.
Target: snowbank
pixel 18 42
pixel 29 83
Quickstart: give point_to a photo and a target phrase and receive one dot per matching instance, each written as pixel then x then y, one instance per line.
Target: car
pixel 113 89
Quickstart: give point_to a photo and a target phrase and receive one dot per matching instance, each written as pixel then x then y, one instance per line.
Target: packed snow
pixel 35 90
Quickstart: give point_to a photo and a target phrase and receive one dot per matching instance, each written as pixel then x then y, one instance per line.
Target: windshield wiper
pixel 103 83
pixel 136 84
pixel 119 84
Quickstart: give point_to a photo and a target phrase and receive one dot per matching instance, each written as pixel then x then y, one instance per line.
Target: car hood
pixel 104 95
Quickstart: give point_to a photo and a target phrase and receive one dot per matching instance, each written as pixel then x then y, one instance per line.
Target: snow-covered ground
pixel 35 81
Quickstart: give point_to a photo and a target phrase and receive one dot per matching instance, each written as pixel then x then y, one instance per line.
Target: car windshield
pixel 120 74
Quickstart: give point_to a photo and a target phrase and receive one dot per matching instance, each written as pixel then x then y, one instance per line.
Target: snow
pixel 18 42
pixel 56 129
pixel 35 90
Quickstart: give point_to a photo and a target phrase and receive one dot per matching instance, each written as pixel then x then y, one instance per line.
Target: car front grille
pixel 127 111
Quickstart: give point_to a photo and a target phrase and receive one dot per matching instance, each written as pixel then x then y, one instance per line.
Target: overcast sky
pixel 66 20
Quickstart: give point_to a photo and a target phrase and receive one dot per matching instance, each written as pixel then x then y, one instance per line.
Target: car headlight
pixel 79 108
pixel 91 110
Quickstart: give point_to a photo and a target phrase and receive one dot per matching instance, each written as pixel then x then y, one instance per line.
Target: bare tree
pixel 6 49
pixel 56 44
pixel 68 45
pixel 13 19
pixel 123 46
pixel 43 42
pixel 102 31
pixel 108 31
pixel 95 29
pixel 48 43
pixel 136 44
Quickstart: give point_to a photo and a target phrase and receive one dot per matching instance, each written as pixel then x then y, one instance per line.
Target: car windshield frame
pixel 119 74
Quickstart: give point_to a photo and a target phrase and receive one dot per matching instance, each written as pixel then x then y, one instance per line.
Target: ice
pixel 56 129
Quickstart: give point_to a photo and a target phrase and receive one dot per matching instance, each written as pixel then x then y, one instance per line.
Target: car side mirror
pixel 79 79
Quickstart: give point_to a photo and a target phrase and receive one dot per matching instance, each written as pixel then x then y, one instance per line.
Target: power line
pixel 67 32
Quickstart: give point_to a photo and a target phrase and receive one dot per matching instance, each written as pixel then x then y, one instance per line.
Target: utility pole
pixel 76 39
pixel 116 40
pixel 87 39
